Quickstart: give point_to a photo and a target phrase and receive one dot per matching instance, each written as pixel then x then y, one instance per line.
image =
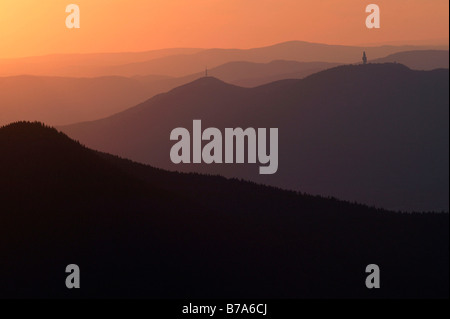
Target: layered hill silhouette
pixel 59 100
pixel 63 100
pixel 183 62
pixel 96 91
pixel 251 74
pixel 137 231
pixel 81 65
pixel 375 134
pixel 419 60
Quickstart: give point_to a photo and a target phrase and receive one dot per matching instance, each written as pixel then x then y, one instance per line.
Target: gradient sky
pixel 36 27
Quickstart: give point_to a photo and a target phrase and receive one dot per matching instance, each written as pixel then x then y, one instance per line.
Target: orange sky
pixel 36 27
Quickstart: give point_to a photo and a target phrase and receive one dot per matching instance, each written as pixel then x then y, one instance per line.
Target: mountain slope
pixel 136 231
pixel 376 134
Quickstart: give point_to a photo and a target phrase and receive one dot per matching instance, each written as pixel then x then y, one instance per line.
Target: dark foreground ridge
pixel 136 231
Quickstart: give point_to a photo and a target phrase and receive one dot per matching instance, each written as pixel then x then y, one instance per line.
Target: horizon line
pixel 370 45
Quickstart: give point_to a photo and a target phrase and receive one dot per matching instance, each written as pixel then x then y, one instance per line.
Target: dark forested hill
pixel 376 133
pixel 137 231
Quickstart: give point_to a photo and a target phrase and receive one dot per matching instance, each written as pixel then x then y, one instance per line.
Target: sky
pixel 36 27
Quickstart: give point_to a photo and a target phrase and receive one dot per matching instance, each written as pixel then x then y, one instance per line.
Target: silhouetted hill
pixel 136 231
pixel 65 100
pixel 419 60
pixel 376 134
pixel 62 100
pixel 250 74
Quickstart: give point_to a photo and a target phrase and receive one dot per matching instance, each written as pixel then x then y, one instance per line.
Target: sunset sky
pixel 35 27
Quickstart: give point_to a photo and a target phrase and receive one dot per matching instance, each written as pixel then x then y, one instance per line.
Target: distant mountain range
pixel 251 74
pixel 62 100
pixel 80 65
pixel 375 134
pixel 67 100
pixel 136 231
pixel 182 62
pixel 181 65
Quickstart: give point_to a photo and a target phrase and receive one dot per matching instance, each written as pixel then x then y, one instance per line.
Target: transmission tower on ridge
pixel 364 58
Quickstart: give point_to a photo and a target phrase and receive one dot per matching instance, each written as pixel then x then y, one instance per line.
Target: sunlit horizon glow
pixel 31 27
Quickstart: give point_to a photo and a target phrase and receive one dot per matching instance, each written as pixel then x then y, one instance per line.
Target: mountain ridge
pixel 181 62
pixel 293 50
pixel 396 110
pixel 141 232
pixel 52 100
